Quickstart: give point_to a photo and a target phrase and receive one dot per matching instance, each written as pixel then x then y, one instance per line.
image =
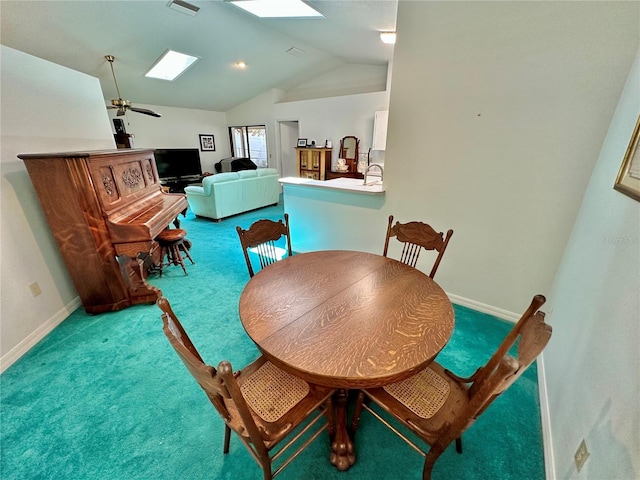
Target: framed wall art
pixel 628 180
pixel 207 143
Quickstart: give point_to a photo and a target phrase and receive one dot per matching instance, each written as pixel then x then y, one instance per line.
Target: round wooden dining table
pixel 347 320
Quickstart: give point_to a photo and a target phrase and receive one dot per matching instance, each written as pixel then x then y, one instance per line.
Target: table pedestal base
pixel 342 455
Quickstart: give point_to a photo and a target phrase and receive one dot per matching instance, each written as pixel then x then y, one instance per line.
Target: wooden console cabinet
pixel 313 163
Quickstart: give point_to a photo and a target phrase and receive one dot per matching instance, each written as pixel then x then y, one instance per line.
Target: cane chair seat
pixel 424 393
pixel 271 392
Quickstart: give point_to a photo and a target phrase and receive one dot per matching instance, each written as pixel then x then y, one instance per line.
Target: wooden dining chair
pixel 438 406
pixel 261 403
pixel 261 237
pixel 417 236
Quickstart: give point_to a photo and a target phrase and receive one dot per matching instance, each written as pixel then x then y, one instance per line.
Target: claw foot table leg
pixel 342 454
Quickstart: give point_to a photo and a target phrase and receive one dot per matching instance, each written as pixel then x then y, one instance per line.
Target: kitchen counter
pixel 355 185
pixel 321 211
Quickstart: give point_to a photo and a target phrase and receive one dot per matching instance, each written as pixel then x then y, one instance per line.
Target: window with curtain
pixel 250 141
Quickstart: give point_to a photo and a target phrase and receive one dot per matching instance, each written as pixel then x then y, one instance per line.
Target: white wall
pixel 179 128
pixel 497 113
pixel 593 360
pixel 45 108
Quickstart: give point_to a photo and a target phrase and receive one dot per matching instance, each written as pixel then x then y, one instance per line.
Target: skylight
pixel 171 65
pixel 277 8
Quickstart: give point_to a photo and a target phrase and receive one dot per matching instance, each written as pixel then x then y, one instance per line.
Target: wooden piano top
pixel 85 153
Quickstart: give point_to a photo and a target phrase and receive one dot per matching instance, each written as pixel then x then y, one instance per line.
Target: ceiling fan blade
pixel 145 111
pixel 119 103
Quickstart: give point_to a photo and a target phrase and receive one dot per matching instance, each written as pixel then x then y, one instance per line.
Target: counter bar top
pixel 355 185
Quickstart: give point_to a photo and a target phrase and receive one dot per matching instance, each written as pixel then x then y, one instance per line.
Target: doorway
pixel 288 136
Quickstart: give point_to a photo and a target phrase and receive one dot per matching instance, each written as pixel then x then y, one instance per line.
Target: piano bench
pixel 172 242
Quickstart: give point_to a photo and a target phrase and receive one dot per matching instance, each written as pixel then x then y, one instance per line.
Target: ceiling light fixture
pixel 171 65
pixel 277 8
pixel 183 7
pixel 241 64
pixel 388 37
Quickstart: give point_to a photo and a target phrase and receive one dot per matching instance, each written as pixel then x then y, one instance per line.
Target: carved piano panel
pixel 104 208
pixel 121 180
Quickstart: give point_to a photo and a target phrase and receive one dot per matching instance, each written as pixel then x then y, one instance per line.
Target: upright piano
pixel 105 208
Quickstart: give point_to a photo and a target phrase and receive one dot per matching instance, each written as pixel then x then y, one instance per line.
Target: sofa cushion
pixel 222 177
pixel 263 172
pixel 247 173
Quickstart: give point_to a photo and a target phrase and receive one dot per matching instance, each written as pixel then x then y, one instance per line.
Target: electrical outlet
pixel 581 455
pixel 35 289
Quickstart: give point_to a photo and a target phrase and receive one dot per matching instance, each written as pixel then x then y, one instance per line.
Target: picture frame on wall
pixel 207 143
pixel 628 179
pixel 302 142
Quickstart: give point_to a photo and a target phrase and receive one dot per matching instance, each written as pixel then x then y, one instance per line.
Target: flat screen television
pixel 178 162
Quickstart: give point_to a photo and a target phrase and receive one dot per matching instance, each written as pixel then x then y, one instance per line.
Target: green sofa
pixel 230 193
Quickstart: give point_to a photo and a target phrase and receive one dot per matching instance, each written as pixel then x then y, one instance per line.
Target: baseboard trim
pixel 545 418
pixel 13 355
pixel 484 308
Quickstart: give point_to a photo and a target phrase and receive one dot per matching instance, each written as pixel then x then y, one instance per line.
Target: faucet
pixel 369 168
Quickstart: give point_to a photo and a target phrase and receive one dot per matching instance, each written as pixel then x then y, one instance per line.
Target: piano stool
pixel 172 241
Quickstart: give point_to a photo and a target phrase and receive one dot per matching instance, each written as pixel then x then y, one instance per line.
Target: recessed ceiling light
pixel 241 64
pixel 171 65
pixel 388 37
pixel 277 8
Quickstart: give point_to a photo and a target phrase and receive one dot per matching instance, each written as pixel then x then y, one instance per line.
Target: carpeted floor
pixel 105 396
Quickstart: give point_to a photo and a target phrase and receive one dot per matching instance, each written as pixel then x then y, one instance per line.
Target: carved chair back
pixel 531 334
pixel 261 238
pixel 416 236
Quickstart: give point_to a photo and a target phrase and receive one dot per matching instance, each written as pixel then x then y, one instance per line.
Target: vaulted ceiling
pixel 78 34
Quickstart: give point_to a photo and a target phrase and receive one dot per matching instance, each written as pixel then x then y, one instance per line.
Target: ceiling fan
pixel 124 105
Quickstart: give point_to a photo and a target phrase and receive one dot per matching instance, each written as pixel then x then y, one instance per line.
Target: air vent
pixel 183 7
pixel 296 52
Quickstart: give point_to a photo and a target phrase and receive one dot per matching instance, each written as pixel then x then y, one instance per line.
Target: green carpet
pixel 105 396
